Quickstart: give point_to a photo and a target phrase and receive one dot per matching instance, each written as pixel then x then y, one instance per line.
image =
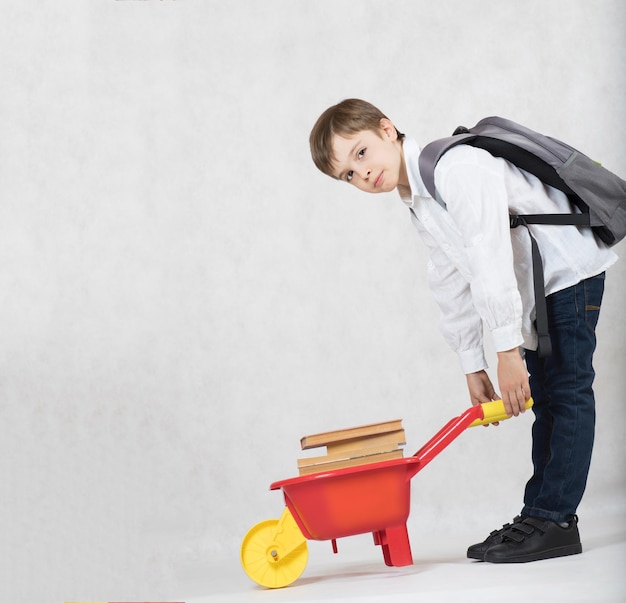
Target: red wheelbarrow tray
pixel 371 498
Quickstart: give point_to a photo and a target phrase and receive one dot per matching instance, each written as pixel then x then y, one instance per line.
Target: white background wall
pixel 182 295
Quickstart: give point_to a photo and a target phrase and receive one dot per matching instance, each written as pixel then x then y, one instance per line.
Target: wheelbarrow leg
pixel 395 544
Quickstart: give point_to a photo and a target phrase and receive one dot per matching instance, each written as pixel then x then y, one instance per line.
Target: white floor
pixel 440 572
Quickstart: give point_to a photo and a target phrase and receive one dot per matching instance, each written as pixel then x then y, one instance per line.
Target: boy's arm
pixel 474 185
pixel 462 329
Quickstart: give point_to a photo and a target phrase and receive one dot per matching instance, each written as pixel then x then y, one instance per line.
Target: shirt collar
pixel 416 187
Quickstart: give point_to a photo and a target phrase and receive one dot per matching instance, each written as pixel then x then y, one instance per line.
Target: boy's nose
pixel 364 173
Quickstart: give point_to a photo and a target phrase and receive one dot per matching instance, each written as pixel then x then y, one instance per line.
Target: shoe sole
pixel 562 551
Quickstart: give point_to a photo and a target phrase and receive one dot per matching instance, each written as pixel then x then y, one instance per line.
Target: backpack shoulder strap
pixel 432 153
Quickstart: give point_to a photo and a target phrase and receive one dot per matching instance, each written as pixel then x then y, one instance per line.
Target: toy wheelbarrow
pixel 344 502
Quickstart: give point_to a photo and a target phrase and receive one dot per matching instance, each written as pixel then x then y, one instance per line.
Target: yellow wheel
pixel 273 553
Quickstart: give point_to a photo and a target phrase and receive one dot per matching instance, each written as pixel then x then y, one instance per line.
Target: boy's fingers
pixel 508 407
pixel 518 402
pixel 513 403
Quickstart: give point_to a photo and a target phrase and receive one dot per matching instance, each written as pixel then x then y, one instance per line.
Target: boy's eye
pixel 361 153
pixel 349 175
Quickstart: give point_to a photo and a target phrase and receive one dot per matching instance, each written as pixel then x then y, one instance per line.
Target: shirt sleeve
pixel 460 324
pixel 474 187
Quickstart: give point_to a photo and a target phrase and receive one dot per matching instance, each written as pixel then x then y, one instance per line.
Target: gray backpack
pixel 599 194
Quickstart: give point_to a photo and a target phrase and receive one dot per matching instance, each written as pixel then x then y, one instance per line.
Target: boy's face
pixel 372 161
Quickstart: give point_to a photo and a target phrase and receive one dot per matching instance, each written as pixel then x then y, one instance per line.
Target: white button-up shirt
pixel 479 269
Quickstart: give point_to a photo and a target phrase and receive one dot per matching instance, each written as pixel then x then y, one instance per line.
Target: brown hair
pixel 343 119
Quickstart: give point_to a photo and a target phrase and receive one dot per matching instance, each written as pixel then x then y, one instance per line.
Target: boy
pixel 480 271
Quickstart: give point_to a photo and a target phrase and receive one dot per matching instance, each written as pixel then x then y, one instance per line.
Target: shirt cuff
pixel 472 360
pixel 507 337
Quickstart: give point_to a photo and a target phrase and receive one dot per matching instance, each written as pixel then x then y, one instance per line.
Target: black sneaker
pixel 477 551
pixel 534 539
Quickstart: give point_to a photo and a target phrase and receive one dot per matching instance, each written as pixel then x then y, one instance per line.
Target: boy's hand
pixel 513 381
pixel 481 389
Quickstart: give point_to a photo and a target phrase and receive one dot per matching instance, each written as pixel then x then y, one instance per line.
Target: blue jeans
pixel 564 404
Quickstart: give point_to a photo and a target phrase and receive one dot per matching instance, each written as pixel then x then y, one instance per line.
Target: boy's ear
pixel 388 129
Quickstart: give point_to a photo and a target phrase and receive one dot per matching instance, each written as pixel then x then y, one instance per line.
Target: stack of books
pixel 353 446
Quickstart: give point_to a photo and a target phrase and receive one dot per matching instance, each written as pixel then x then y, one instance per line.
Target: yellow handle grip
pixel 494 411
